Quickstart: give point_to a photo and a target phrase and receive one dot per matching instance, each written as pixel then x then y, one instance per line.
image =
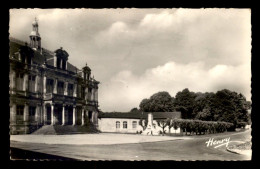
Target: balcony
pixel 58 97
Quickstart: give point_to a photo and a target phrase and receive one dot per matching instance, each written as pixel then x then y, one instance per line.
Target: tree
pixel 163 124
pixel 184 102
pixel 143 123
pixel 158 102
pixel 134 109
pixel 230 107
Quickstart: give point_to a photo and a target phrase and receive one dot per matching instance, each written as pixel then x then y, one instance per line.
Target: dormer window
pixel 63 64
pixel 62 58
pixel 58 62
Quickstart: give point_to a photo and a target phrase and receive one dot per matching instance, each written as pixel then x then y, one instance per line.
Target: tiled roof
pixel 139 115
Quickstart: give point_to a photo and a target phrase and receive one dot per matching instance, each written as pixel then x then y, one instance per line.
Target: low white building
pixel 130 122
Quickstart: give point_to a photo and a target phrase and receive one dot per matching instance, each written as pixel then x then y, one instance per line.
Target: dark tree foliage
pixel 158 102
pixel 184 102
pixel 224 105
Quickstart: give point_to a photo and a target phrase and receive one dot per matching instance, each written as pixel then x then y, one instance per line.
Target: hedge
pixel 199 126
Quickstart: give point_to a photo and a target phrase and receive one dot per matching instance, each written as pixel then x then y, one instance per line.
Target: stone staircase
pixel 67 129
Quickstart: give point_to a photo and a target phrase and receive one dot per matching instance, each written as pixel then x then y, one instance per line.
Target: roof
pixel 139 115
pixel 38 56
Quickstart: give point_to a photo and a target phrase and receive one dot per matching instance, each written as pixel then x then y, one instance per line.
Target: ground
pixel 105 146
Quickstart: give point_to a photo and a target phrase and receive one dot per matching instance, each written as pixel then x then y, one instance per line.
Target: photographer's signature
pixel 218 143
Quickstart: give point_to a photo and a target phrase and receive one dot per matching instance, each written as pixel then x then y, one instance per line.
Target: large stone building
pixel 45 89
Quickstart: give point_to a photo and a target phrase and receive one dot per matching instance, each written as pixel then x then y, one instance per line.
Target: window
pixel 58 62
pixel 61 88
pixel 83 92
pixel 117 124
pixel 32 111
pixel 89 93
pixel 19 113
pixel 32 83
pixel 49 86
pixel 124 124
pixel 64 64
pixel 70 89
pixel 79 91
pixel 19 81
pixel 22 58
pixel 134 124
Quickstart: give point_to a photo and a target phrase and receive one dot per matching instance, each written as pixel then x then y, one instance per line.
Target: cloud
pixel 137 52
pixel 125 90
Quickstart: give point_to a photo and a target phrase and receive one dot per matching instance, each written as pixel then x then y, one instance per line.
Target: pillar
pixel 55 86
pixel 36 84
pixel 13 80
pixel 13 113
pixel 37 114
pixel 96 95
pixel 86 93
pixel 63 115
pixel 75 90
pixel 44 84
pixel 44 114
pixel 13 118
pixel 66 65
pixel 66 88
pixel 74 116
pixel 82 117
pixel 52 115
pixel 25 82
pixel 26 118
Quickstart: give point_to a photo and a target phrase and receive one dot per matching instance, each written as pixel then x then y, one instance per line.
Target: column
pixel 13 118
pixel 63 114
pixel 97 94
pixel 61 63
pixel 55 86
pixel 66 88
pixel 26 118
pixel 86 93
pixel 13 113
pixel 74 116
pixel 36 84
pixel 82 117
pixel 75 90
pixel 13 80
pixel 66 65
pixel 25 82
pixel 44 84
pixel 37 114
pixel 44 110
pixel 52 114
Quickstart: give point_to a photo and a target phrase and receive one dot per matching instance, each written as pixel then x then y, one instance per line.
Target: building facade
pixel 45 89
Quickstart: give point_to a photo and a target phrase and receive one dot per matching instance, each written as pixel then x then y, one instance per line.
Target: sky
pixel 135 53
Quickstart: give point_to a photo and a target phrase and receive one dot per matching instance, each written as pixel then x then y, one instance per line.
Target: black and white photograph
pixel 130 84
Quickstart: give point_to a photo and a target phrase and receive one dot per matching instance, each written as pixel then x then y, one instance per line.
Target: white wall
pixel 109 125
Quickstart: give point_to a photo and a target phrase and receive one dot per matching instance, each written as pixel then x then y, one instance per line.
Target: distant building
pixel 130 122
pixel 45 89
